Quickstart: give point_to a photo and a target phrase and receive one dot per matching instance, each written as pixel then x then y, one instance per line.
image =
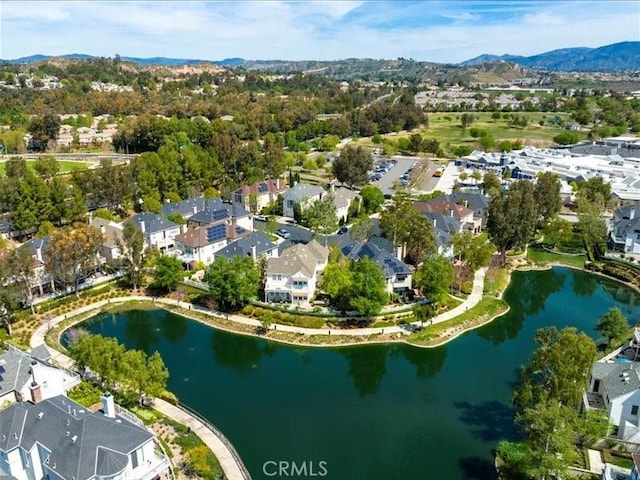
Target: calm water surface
pixel 370 412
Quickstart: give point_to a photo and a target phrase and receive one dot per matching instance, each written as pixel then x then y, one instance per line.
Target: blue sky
pixel 439 31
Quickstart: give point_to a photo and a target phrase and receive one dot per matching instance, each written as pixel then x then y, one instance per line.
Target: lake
pixel 369 412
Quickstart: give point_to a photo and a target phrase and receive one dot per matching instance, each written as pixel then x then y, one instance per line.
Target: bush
pixel 86 394
pixel 467 287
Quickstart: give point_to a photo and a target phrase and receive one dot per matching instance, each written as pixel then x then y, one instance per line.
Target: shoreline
pixel 287 335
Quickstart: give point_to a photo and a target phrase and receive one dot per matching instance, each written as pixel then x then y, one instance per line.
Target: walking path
pixel 595 461
pixel 229 459
pixel 471 301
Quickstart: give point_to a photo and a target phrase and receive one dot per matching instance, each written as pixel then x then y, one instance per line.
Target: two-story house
pixel 112 238
pixel 342 199
pixel 201 243
pixel 397 274
pixel 158 232
pixel 444 206
pixel 57 438
pixel 302 194
pixel 616 388
pixel 24 375
pixel 255 245
pixel 293 277
pixel 42 280
pixel 625 229
pixel 258 195
pixel 217 211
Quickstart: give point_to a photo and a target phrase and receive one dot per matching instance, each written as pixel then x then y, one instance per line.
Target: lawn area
pixel 484 311
pixel 544 257
pixel 66 166
pixel 446 128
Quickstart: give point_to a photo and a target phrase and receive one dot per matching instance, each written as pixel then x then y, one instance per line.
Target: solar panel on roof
pixel 263 187
pixel 216 233
pixel 219 214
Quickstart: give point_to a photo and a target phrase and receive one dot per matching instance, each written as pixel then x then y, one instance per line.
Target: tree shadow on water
pixel 477 468
pixel 489 421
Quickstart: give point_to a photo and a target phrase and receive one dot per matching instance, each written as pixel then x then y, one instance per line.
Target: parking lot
pixel 387 172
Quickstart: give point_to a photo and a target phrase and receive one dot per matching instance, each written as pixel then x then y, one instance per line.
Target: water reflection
pixel 240 354
pixel 141 329
pixel 173 327
pixel 488 421
pixel 367 366
pixel 428 363
pixel 583 285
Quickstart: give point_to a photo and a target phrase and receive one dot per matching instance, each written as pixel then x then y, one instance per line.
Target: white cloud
pixel 434 31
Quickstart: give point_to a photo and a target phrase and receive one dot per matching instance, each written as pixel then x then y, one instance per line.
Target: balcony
pixel 152 468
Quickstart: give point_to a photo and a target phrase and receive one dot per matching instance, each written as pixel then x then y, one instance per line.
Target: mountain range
pixel 614 57
pixel 618 56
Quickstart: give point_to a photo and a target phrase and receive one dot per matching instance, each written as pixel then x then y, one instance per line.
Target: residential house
pixel 616 388
pixel 258 195
pixel 342 199
pixel 293 277
pixel 218 211
pixel 397 274
pixel 24 375
pixel 112 234
pixel 625 229
pixel 42 280
pixel 158 232
pixel 445 206
pixel 201 243
pixel 255 244
pixel 302 194
pixel 57 438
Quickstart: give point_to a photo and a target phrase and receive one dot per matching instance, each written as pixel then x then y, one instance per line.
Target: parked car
pixel 283 233
pixel 260 218
pixel 343 230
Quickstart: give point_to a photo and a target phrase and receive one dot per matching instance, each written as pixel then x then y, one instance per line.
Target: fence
pixel 245 473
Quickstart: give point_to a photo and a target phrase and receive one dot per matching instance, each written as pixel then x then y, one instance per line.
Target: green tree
pixel 337 281
pixel 20 264
pixel 557 232
pixel 47 167
pixel 593 229
pixel 415 143
pixel 512 217
pixel 352 165
pixel 547 196
pixel 613 325
pixel 491 184
pixel 320 217
pixel 487 142
pixel 434 278
pixel 43 130
pixel 369 288
pixel 596 191
pixel 232 283
pixel 132 253
pixel 473 250
pixel 372 198
pixel 548 377
pixel 361 230
pixel 72 254
pixel 168 273
pixel 567 138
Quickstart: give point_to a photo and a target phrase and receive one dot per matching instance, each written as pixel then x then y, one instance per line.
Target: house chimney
pixel 332 187
pixel 434 221
pixel 195 209
pixel 103 229
pixel 108 406
pixel 278 183
pixel 142 226
pixel 451 212
pixel 632 214
pixel 36 392
pixel 399 253
pixel 254 252
pixel 183 228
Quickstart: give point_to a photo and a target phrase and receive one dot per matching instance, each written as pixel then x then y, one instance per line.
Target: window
pixel 276 277
pixel 290 203
pixel 634 410
pixel 596 386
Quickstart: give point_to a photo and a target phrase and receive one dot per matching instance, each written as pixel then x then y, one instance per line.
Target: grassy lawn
pixel 496 281
pixel 543 257
pixel 66 166
pixel 484 311
pixel 446 128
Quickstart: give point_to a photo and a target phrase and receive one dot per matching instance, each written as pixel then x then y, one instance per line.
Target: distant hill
pixel 615 57
pixel 163 61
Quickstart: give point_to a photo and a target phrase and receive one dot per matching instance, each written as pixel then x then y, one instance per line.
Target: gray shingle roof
pixel 618 378
pixel 152 223
pixel 101 443
pixel 15 368
pixel 242 246
pixel 389 264
pixel 299 258
pixel 303 190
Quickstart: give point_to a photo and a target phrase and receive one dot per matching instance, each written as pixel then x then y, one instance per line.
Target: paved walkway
pixel 232 467
pixel 595 461
pixel 471 301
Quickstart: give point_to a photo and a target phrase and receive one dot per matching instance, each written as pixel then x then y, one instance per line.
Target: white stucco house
pixel 158 232
pixel 57 438
pixel 303 194
pixel 293 277
pixel 625 229
pixel 29 375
